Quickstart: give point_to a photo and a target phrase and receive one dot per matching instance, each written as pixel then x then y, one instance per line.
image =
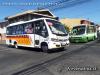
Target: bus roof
pixel 22 22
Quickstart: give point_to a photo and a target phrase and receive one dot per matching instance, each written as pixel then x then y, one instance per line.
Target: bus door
pixel 40 32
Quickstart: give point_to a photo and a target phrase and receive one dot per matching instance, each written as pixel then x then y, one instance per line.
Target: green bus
pixel 83 33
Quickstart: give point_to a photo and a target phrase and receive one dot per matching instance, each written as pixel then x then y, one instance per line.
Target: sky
pixel 89 10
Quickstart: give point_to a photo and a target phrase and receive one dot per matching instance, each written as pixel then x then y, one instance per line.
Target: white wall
pixel 3 30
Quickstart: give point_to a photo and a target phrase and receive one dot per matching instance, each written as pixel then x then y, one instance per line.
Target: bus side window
pixel 94 29
pixel 8 31
pixel 13 29
pixel 29 28
pixel 90 29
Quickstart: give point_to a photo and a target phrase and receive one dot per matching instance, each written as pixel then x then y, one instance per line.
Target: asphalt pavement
pixel 84 62
pixel 29 61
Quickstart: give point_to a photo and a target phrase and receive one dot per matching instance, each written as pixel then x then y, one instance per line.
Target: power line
pixel 64 4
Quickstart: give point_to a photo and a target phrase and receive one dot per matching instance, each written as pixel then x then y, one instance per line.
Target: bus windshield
pixel 78 30
pixel 56 27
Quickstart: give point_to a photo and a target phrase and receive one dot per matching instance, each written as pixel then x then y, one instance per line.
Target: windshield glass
pixel 78 30
pixel 56 27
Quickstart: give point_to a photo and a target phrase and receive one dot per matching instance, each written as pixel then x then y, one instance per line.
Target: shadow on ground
pixel 40 50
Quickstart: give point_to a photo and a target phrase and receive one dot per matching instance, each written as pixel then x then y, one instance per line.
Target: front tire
pixel 44 47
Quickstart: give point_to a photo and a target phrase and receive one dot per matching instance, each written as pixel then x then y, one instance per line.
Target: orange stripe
pixel 23 39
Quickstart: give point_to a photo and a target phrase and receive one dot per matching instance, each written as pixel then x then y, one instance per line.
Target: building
pixel 3 29
pixel 72 22
pixel 30 14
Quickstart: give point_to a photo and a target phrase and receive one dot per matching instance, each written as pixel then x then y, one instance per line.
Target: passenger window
pixel 90 29
pixel 19 29
pixel 9 30
pixel 29 28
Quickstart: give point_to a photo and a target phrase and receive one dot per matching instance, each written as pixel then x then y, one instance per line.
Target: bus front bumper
pixel 77 39
pixel 53 45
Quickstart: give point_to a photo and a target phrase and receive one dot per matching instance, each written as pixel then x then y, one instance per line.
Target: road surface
pixel 28 61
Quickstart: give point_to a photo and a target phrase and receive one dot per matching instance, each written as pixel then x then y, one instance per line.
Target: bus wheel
pixel 44 47
pixel 15 45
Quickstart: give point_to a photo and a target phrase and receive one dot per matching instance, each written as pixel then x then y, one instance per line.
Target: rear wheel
pixel 15 45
